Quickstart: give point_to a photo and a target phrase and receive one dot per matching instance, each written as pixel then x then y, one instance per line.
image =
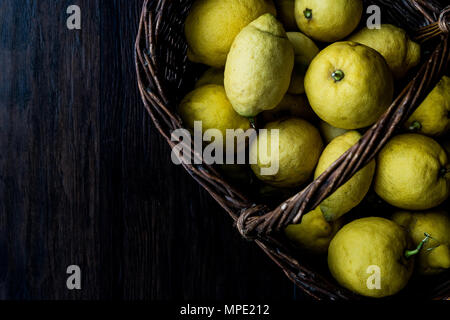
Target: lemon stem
pixel 308 14
pixel 252 121
pixel 338 75
pixel 444 171
pixel 410 253
pixel 415 126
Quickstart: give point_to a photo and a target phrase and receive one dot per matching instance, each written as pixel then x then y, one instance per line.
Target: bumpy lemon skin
pixel 259 66
pixel 434 257
pixel 304 52
pixel 285 12
pixel 212 25
pixel 399 51
pixel 299 149
pixel 210 105
pixel 412 173
pixel 433 114
pixel 363 94
pixel 367 242
pixel 314 233
pixel 350 194
pixel 331 20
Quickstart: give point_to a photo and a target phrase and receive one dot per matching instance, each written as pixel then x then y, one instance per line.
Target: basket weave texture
pixel 165 75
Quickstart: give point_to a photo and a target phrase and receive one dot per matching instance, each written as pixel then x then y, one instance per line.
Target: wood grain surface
pixel 86 180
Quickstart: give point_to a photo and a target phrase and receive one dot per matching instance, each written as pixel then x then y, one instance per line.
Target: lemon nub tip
pixel 415 126
pixel 410 253
pixel 252 121
pixel 338 75
pixel 308 14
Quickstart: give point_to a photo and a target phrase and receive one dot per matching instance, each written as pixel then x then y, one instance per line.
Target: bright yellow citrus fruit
pixel 328 20
pixel 295 157
pixel 314 233
pixel 413 173
pixel 259 66
pixel 432 117
pixel 212 25
pixel 351 193
pixel 400 52
pixel 210 105
pixel 434 257
pixel 349 85
pixel 367 256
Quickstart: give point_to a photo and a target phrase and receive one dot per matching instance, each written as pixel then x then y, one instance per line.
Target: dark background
pixel 85 179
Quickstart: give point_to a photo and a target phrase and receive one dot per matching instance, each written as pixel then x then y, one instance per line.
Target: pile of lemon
pixel 322 101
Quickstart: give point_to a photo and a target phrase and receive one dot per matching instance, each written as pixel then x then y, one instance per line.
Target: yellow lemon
pixel 432 117
pixel 292 159
pixel 412 173
pixel 212 25
pixel 314 233
pixel 259 66
pixel 400 52
pixel 210 105
pixel 329 132
pixel 211 76
pixel 304 52
pixel 367 256
pixel 328 20
pixel 434 257
pixel 350 194
pixel 349 85
pixel 290 106
pixel 285 10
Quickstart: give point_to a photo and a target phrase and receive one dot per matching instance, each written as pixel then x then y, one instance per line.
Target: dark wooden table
pixel 86 180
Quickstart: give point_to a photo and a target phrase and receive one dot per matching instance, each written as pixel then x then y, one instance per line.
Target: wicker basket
pixel 165 75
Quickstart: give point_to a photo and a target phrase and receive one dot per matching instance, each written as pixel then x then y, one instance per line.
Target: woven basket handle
pixel 437 28
pixel 258 220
